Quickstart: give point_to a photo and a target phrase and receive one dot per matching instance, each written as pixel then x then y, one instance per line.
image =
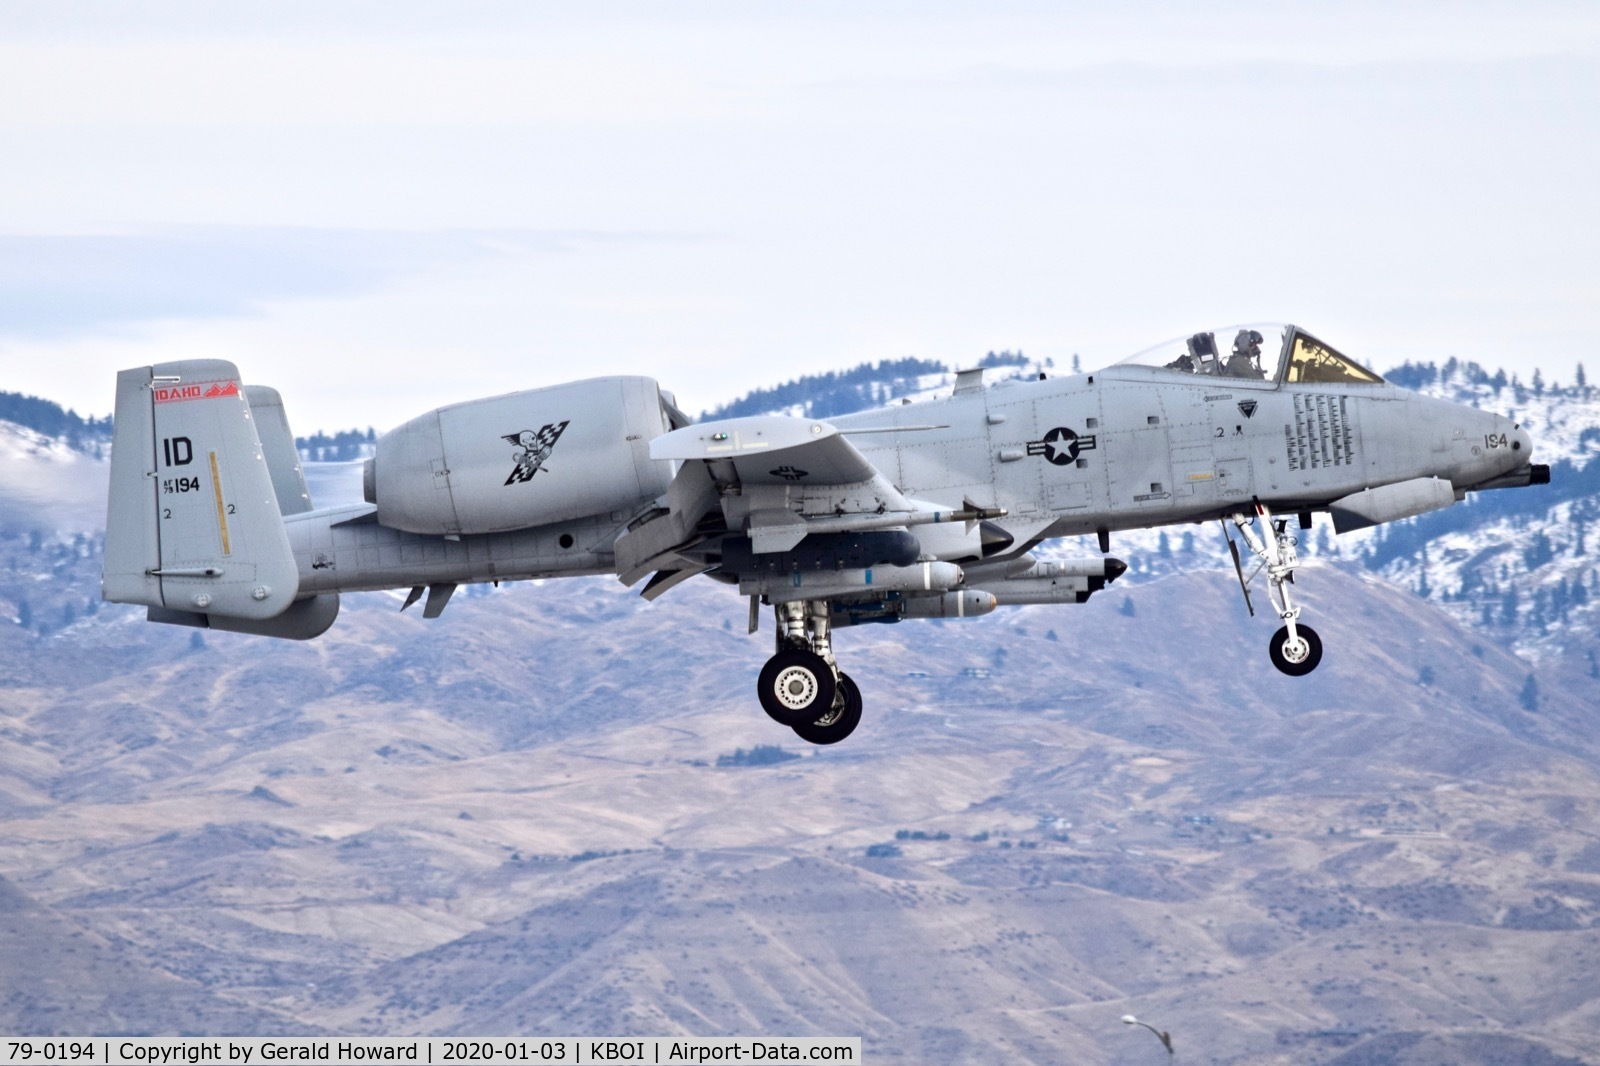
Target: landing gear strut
pixel 1295 649
pixel 801 685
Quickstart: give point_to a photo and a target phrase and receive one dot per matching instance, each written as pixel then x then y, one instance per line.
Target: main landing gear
pixel 801 686
pixel 1295 649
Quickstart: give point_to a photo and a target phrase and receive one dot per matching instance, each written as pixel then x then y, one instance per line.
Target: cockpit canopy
pixel 1264 352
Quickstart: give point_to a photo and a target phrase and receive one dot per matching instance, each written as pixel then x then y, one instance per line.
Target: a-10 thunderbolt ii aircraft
pixel 924 510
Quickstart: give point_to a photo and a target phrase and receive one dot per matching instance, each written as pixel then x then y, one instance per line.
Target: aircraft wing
pixel 797 476
pixel 771 450
pixel 779 462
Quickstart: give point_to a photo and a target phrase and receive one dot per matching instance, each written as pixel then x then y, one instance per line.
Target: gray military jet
pixel 925 510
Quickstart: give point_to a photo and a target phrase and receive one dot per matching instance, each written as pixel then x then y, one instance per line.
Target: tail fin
pixel 193 521
pixel 277 445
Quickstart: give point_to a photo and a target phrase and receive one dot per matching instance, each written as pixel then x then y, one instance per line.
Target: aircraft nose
pixel 1521 443
pixel 1497 446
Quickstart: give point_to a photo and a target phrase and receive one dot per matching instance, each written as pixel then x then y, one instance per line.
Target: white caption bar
pixel 442 1051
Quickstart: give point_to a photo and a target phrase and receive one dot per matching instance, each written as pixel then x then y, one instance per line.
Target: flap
pixel 771 450
pixel 643 547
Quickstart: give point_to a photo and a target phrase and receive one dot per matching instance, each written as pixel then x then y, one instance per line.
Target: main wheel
pixel 796 686
pixel 839 722
pixel 1299 657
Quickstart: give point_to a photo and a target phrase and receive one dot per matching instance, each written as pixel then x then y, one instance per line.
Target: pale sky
pixel 381 207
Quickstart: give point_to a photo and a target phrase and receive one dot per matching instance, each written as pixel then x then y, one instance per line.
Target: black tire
pixel 1296 662
pixel 795 686
pixel 837 723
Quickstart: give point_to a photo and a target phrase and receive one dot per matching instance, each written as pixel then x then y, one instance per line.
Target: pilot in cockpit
pixel 1245 362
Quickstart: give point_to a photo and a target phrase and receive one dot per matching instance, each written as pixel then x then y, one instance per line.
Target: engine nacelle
pixel 521 460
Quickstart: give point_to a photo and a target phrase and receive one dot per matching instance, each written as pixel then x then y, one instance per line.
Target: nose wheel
pixel 1297 653
pixel 1295 649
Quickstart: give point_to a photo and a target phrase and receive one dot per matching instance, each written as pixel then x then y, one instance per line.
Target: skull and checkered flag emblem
pixel 532 449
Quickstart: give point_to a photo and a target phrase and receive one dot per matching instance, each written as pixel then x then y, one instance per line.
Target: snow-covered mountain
pixel 1519 565
pixel 46 485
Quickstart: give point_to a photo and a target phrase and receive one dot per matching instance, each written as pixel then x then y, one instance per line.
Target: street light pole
pixel 1161 1035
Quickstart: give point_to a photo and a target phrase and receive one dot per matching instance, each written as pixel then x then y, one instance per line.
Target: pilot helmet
pixel 1248 342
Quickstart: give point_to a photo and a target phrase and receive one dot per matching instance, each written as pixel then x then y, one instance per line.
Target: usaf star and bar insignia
pixel 1061 446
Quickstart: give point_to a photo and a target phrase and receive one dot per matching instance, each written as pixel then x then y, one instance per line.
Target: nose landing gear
pixel 801 686
pixel 1295 649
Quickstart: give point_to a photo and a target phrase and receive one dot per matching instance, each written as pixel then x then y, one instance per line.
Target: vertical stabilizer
pixel 277 444
pixel 193 519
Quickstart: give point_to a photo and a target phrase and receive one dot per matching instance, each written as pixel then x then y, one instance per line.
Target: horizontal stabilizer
pixel 304 619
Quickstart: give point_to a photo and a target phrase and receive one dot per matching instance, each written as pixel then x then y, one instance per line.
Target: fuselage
pixel 1124 448
pixel 1132 447
pixel 924 510
pixel 915 511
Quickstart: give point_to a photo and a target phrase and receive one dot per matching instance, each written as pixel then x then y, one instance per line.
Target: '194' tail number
pixel 1495 440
